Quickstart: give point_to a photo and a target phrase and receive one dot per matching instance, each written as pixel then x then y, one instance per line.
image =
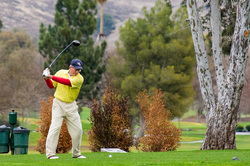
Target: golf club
pixel 74 42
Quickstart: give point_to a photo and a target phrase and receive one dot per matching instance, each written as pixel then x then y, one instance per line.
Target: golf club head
pixel 76 42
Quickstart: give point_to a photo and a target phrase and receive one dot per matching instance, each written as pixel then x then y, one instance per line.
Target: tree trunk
pixel 221 113
pixel 199 114
pixel 101 19
pixel 220 132
pixel 140 132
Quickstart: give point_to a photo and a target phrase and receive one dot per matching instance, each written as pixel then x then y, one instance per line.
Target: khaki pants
pixel 69 111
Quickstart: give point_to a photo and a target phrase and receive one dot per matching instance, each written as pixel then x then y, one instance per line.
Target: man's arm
pixel 49 83
pixel 61 80
pixel 48 77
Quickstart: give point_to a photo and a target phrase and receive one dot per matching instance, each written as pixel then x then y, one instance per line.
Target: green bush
pixel 248 127
pixel 239 128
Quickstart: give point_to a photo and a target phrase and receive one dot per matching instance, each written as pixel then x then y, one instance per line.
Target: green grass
pixel 190 138
pixel 243 142
pixel 33 138
pixel 29 123
pixel 244 124
pixel 174 158
pixel 195 132
pixel 85 114
pixel 186 154
pixel 189 113
pixel 191 125
pixel 189 146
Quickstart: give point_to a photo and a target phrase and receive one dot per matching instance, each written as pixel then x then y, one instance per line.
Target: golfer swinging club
pixel 68 84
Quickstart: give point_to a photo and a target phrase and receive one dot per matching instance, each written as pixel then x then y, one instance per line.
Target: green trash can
pixel 4 139
pixel 21 140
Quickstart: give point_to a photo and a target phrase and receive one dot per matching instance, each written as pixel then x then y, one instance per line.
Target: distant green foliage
pixel 248 127
pixel 239 128
pixel 108 24
pixel 1 25
pixel 74 21
pixel 156 52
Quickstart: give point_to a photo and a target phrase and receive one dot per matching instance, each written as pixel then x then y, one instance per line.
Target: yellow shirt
pixel 64 92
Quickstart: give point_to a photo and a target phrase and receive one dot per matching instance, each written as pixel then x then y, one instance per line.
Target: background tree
pixel 156 52
pixel 101 16
pixel 21 79
pixel 221 105
pixel 1 25
pixel 197 104
pixel 74 21
pixel 108 25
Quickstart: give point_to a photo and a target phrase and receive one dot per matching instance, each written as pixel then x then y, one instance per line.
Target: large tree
pixel 156 52
pixel 74 21
pixel 222 104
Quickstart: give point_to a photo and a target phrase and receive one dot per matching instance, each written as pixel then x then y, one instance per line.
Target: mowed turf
pixel 187 154
pixel 192 132
pixel 173 158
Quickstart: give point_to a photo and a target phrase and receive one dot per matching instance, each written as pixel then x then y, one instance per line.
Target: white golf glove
pixel 46 72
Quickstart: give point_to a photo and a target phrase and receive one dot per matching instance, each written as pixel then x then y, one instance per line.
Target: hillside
pixel 28 14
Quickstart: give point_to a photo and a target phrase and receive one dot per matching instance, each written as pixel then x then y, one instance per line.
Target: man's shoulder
pixel 76 81
pixel 79 76
pixel 62 71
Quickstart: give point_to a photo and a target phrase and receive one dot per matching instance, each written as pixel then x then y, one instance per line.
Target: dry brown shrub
pixel 160 133
pixel 64 142
pixel 110 123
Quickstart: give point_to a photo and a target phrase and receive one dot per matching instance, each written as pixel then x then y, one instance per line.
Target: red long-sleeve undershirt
pixel 60 80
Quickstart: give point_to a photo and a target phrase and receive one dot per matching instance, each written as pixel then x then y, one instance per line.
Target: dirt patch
pixel 244 119
pixel 194 119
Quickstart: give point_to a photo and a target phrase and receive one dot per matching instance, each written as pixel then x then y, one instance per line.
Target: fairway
pixel 187 154
pixel 172 158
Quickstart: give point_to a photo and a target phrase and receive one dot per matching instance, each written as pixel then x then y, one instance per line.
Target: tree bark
pixel 221 112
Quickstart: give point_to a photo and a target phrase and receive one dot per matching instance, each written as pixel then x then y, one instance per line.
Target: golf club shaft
pixel 60 54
